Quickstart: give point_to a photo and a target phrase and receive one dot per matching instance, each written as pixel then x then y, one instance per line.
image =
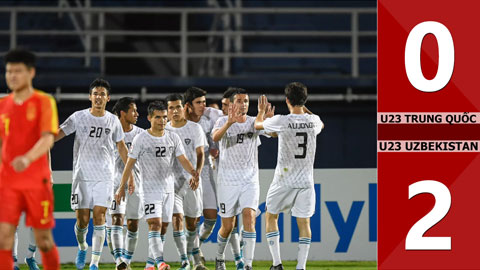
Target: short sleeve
pixel 136 148
pixel 49 116
pixel 200 140
pixel 220 122
pixel 68 127
pixel 273 124
pixel 213 113
pixel 118 133
pixel 179 150
pixel 318 124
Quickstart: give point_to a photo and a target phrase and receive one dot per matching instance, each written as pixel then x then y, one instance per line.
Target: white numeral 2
pixel 446 56
pixel 443 200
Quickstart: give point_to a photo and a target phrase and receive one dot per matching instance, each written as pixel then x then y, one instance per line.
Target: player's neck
pixel 156 133
pixel 243 119
pixel 126 126
pixel 20 95
pixel 297 110
pixel 97 112
pixel 179 123
pixel 194 118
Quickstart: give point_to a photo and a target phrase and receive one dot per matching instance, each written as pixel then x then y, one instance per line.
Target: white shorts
pixel 188 202
pixel 208 189
pixel 132 206
pixel 233 199
pixel 300 201
pixel 87 194
pixel 159 205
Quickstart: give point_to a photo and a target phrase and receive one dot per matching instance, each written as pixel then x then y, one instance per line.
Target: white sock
pixel 117 243
pixel 222 244
pixel 32 245
pixel 181 244
pixel 150 260
pixel 98 239
pixel 235 245
pixel 249 249
pixel 156 244
pixel 109 240
pixel 15 248
pixel 192 249
pixel 206 229
pixel 273 240
pixel 303 247
pixel 130 245
pixel 81 235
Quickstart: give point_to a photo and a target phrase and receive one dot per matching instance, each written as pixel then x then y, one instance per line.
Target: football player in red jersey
pixel 28 124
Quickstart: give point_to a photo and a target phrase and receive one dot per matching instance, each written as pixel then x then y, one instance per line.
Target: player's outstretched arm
pixel 41 147
pixel 60 135
pixel 126 176
pixel 262 108
pixel 233 114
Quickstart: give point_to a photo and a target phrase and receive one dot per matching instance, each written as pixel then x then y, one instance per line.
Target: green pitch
pixel 257 265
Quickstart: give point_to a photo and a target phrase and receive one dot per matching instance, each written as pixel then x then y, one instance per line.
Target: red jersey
pixel 21 126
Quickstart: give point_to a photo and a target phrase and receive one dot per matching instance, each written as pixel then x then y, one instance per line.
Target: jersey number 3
pixel 303 144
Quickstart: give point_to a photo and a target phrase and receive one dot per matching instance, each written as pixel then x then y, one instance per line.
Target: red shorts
pixel 37 204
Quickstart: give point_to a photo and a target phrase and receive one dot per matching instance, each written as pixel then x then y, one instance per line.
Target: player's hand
pixel 270 111
pixel 120 194
pixel 262 103
pixel 20 163
pixel 233 113
pixel 214 152
pixel 194 183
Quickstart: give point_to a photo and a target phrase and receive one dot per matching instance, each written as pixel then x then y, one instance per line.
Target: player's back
pixel 296 147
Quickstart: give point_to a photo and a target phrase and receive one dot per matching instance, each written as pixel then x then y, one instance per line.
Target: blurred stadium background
pixel 147 49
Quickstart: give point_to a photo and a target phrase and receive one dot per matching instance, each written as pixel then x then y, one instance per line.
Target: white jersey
pixel 238 153
pixel 207 122
pixel 296 148
pixel 192 136
pixel 156 156
pixel 119 165
pixel 94 145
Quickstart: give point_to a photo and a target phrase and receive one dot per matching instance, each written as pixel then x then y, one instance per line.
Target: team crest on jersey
pixel 250 134
pixel 31 112
pixel 107 131
pixel 188 141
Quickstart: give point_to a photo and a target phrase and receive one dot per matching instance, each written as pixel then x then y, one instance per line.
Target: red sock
pixel 6 259
pixel 50 259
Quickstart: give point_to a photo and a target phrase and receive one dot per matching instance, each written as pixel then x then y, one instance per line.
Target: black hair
pixel 296 93
pixel 100 82
pixel 156 105
pixel 123 105
pixel 20 56
pixel 236 91
pixel 228 93
pixel 175 97
pixel 193 93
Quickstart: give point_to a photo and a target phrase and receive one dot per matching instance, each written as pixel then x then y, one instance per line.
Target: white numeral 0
pixel 446 56
pixel 443 200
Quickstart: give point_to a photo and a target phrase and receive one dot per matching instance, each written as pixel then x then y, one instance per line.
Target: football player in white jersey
pixel 237 180
pixel 97 131
pixel 293 177
pixel 123 249
pixel 188 202
pixel 156 150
